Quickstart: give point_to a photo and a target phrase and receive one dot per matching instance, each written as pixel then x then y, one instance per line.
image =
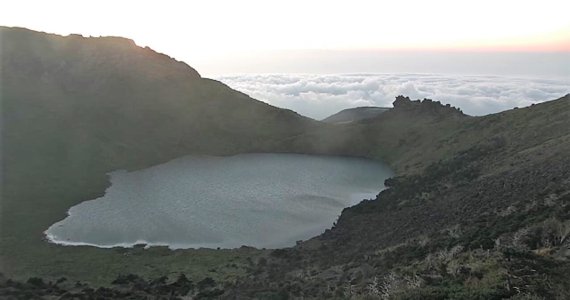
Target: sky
pixel 221 37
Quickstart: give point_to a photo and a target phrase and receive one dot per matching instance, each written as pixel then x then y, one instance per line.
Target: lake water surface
pixel 260 200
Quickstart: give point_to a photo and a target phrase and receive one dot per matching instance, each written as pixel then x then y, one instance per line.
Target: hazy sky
pixel 222 37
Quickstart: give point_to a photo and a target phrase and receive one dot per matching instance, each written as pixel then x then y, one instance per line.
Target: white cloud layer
pixel 318 96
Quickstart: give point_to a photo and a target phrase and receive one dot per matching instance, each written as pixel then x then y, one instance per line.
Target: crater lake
pixel 258 200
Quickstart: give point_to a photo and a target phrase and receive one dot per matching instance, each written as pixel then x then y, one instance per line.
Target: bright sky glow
pixel 201 31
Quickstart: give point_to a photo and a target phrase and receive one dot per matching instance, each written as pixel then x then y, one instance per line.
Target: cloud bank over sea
pixel 318 96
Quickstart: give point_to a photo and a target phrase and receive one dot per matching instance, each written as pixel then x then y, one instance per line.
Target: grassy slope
pixel 75 108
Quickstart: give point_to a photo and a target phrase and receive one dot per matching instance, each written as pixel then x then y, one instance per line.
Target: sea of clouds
pixel 318 96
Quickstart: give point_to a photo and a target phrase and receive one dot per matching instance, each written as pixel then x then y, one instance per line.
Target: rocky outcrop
pixel 425 106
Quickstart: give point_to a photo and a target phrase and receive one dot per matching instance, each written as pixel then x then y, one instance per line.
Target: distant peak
pixel 426 105
pixel 355 114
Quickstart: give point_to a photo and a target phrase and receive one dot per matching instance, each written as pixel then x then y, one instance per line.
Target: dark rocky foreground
pixel 124 287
